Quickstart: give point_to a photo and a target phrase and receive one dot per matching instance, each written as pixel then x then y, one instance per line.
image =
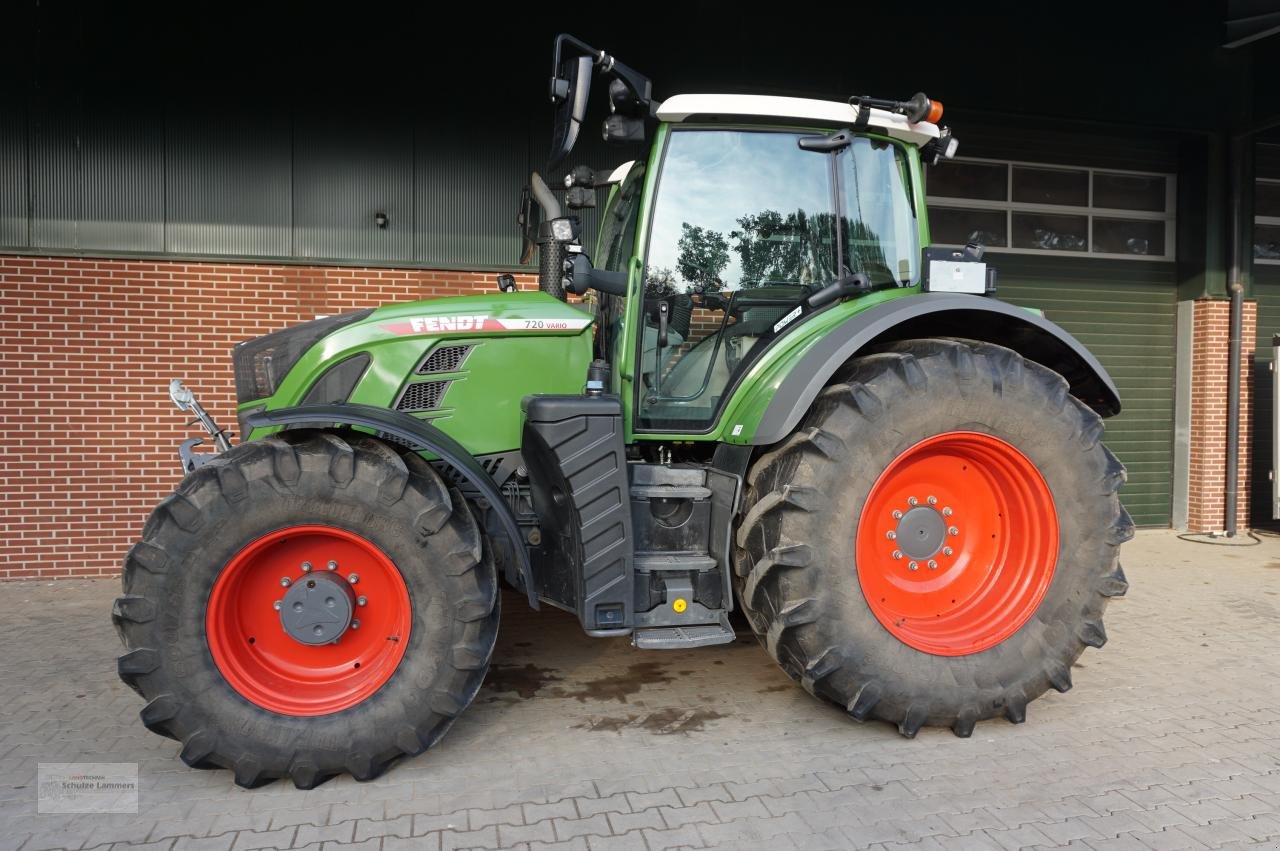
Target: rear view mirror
pixel 570 89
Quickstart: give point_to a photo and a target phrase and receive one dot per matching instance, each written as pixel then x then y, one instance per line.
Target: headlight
pixel 261 363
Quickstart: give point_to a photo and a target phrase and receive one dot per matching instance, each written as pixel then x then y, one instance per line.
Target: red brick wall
pixel 87 349
pixel 1210 340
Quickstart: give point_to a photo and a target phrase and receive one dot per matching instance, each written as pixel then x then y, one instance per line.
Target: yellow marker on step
pixel 679 605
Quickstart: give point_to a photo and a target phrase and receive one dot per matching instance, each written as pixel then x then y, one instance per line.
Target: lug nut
pixel 891 535
pixel 897 554
pixel 897 515
pixel 933 500
pixel 353 578
pixel 952 530
pixel 306 567
pixel 911 565
pixel 362 601
pixel 946 512
pixel 355 624
pixel 933 565
pixel 333 565
pixel 285 582
pixel 946 551
pixel 911 500
pixel 278 605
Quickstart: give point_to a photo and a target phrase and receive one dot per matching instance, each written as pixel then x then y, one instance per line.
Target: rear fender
pixel 936 315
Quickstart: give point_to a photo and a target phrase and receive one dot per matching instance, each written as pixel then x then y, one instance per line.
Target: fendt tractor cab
pixel 767 391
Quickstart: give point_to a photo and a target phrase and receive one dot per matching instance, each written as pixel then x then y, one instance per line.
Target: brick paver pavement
pixel 1170 739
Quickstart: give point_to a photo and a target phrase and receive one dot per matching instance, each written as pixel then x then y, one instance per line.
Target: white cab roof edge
pixel 681 107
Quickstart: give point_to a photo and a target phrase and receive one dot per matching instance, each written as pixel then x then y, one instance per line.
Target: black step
pixel 652 562
pixel 682 637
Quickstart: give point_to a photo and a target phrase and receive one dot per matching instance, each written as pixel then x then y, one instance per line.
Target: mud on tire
pixel 797 575
pixel 397 503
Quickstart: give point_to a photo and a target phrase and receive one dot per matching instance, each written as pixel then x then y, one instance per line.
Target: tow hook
pixel 185 400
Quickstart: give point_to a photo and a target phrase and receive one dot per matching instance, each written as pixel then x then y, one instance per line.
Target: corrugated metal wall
pixel 258 183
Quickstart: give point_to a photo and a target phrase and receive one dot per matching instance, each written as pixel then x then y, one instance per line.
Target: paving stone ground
pixel 1170 739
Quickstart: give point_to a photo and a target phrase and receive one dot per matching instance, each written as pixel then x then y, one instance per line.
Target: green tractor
pixel 769 393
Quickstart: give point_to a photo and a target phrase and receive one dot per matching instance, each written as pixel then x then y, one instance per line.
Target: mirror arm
pixel 581 276
pixel 838 289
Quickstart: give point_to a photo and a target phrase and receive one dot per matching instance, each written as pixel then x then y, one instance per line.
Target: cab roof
pixel 682 108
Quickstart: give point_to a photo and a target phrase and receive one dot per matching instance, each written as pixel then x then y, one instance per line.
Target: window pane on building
pixel 1049 232
pixel 1051 186
pixel 1266 199
pixel 1129 191
pixel 972 181
pixel 1266 242
pixel 1128 236
pixel 951 226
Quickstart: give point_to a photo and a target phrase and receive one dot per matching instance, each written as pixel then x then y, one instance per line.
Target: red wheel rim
pixel 997 553
pixel 269 667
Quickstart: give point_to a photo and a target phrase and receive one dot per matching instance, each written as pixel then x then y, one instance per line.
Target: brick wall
pixel 87 349
pixel 1207 474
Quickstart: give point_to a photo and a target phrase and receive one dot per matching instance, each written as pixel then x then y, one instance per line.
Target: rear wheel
pixel 938 541
pixel 307 605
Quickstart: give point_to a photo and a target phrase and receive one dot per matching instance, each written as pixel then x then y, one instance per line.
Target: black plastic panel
pixel 573 449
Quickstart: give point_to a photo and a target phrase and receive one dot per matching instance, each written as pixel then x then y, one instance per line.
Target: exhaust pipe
pixel 551 252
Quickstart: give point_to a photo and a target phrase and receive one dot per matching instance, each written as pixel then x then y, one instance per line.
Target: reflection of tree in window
pixel 792 249
pixel 866 254
pixel 703 254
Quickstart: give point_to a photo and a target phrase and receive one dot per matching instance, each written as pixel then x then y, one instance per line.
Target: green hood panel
pixel 519 344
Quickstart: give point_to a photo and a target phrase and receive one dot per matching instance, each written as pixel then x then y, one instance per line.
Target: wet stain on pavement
pixel 619 687
pixel 772 689
pixel 522 680
pixel 529 680
pixel 661 722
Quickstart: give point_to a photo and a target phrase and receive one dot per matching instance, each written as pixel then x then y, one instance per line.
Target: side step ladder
pixel 681 637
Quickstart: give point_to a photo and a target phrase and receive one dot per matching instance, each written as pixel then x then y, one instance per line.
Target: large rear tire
pixel 301 522
pixel 937 542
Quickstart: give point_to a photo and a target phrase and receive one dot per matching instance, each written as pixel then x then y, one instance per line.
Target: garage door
pixel 1090 242
pixel 1266 289
pixel 1124 312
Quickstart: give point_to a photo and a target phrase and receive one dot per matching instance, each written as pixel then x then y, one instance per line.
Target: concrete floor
pixel 1170 739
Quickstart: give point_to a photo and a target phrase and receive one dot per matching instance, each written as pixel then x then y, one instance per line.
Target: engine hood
pixel 464 363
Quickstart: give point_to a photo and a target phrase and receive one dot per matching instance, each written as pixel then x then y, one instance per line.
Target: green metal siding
pixel 1124 312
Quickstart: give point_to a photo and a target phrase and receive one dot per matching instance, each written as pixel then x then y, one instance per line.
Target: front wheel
pixel 936 544
pixel 307 605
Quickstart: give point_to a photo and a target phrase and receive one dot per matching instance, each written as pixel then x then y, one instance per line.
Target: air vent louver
pixel 422 396
pixel 444 359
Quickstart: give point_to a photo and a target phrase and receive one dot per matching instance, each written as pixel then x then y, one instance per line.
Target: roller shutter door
pixel 1124 311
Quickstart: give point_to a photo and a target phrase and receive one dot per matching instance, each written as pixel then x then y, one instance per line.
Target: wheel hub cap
pixel 921 532
pixel 318 609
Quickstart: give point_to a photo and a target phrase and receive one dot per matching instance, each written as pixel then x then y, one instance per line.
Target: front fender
pixel 421 435
pixel 936 315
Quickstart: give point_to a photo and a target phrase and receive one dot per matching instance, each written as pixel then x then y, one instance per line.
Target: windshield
pixel 739 209
pixel 745 225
